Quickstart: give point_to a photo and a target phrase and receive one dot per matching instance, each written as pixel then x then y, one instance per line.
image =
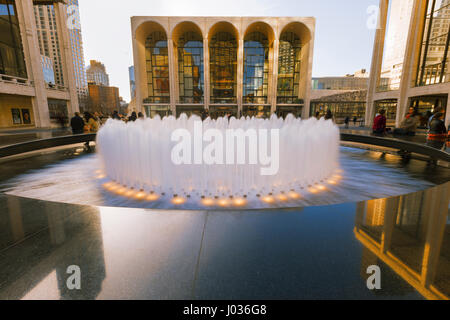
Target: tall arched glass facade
pixel 190 68
pixel 434 61
pixel 157 66
pixel 256 68
pixel 223 68
pixel 289 61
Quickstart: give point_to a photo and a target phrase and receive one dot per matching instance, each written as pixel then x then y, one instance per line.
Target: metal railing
pixel 404 146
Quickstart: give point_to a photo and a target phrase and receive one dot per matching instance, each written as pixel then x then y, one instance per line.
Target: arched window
pixel 157 64
pixel 289 60
pixel 190 68
pixel 256 68
pixel 223 67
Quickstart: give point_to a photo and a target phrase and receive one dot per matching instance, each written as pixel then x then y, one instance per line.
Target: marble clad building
pixel 223 65
pixel 410 62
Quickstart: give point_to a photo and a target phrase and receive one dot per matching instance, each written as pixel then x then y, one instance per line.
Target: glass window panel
pixel 223 68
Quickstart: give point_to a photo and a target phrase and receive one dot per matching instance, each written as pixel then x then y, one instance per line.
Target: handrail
pixel 407 146
pixel 41 144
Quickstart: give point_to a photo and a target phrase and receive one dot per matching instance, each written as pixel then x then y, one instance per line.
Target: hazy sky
pixel 343 42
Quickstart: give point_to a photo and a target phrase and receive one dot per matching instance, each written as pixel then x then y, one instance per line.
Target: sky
pixel 343 39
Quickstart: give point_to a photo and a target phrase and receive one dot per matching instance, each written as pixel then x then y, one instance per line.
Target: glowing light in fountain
pixel 138 158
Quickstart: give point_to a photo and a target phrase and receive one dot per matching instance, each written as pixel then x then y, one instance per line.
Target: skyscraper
pixel 48 38
pixel 96 73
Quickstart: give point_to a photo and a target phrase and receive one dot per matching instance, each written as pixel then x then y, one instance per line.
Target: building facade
pixel 103 99
pixel 29 94
pixel 343 96
pixel 410 62
pixel 50 47
pixel 223 65
pixel 96 73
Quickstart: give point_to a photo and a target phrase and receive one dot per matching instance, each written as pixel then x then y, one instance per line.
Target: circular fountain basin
pixel 74 176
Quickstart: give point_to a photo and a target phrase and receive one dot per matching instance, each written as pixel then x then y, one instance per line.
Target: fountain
pixel 219 161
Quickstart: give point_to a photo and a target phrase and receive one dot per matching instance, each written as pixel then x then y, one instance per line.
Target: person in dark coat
pixel 115 115
pixel 77 124
pixel 133 116
pixel 437 134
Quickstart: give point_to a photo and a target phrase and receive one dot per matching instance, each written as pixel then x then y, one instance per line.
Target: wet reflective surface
pixel 319 252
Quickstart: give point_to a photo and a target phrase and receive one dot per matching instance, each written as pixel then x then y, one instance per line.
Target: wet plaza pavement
pixel 310 253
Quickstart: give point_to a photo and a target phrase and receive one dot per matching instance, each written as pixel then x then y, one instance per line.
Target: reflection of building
pixel 49 242
pixel 411 234
pixel 224 65
pixel 344 96
pixel 103 99
pixel 410 59
pixel 24 93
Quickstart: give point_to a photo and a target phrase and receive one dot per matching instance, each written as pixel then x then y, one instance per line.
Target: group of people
pixel 437 135
pixel 91 122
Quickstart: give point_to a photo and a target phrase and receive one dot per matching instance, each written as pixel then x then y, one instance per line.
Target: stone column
pixel 274 84
pixel 377 59
pixel 32 55
pixel 206 75
pixel 411 52
pixel 67 59
pixel 172 81
pixel 240 75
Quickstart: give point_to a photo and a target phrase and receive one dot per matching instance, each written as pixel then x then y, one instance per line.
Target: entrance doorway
pixel 162 111
pixel 262 112
pixel 222 111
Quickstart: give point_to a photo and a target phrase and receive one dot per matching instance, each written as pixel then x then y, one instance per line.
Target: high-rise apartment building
pixel 37 82
pixel 96 73
pixel 49 44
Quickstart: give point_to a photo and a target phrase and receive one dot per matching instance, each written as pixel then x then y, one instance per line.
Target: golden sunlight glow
pixel 282 197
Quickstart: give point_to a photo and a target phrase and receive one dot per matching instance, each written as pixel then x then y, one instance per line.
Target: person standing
pixel 115 115
pixel 347 122
pixel 437 134
pixel 379 123
pixel 77 124
pixel 133 116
